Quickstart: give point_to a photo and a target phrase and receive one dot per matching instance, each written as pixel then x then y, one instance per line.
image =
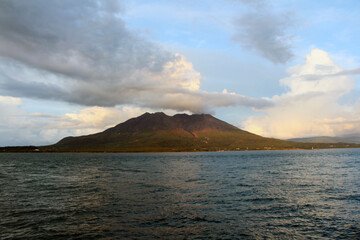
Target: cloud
pixel 82 39
pixel 99 118
pixel 82 52
pixel 36 128
pixel 265 32
pixel 311 107
pixel 11 121
pixel 311 77
pixel 8 106
pixel 23 128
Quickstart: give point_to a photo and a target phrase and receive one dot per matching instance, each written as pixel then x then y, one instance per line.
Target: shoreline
pixel 180 151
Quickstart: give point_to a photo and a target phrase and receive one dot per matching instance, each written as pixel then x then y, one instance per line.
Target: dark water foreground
pixel 228 195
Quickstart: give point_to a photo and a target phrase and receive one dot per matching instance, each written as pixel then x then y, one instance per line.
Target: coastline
pixel 166 151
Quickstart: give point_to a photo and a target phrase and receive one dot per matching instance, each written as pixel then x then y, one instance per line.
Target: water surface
pixel 222 195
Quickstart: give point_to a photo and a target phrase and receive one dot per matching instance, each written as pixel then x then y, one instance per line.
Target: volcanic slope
pixel 181 132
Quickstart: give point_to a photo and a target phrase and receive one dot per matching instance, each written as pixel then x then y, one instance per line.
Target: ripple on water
pixel 228 195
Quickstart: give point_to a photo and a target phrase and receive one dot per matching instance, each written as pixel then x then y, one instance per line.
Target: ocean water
pixel 220 195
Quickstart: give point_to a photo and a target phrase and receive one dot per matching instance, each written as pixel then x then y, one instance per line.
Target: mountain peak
pixel 160 131
pixel 146 114
pixel 181 132
pixel 160 121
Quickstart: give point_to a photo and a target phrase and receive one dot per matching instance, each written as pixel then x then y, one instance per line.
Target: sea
pixel 301 194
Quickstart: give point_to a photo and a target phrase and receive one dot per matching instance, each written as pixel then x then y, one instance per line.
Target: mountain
pixel 181 132
pixel 325 139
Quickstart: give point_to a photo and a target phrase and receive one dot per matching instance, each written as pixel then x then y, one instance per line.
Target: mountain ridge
pixel 161 121
pixel 181 132
pixel 151 125
pixel 158 132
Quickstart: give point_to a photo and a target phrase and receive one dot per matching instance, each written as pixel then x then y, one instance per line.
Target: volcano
pixel 156 132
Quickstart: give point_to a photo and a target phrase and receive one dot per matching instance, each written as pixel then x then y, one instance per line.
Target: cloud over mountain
pixel 82 52
pixel 23 128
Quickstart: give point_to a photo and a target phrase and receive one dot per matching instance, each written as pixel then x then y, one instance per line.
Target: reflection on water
pixel 246 195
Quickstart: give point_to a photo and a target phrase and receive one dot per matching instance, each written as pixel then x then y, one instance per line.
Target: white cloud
pixel 11 121
pixel 18 127
pixel 99 118
pixel 10 101
pixel 9 109
pixel 311 105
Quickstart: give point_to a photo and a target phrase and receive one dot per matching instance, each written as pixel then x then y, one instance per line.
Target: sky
pixel 281 68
